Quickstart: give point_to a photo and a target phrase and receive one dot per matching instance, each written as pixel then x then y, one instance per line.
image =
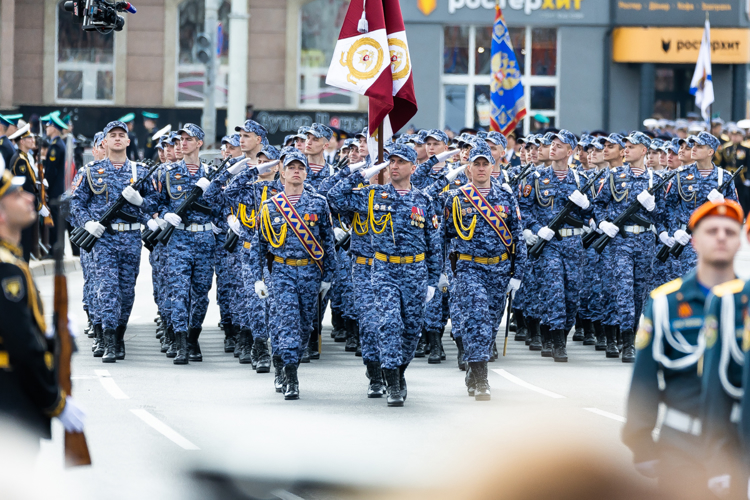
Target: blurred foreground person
pixel 29 393
pixel 669 347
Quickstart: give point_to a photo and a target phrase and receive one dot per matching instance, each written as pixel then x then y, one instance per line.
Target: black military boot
pixel 253 352
pixel 493 350
pixel 513 325
pixel 172 350
pixel 245 347
pixel 229 340
pixel 358 352
pixel 120 342
pixel 619 339
pixel 601 336
pixel 160 331
pixel 351 343
pixel 612 350
pixel 434 338
pixel 530 322
pixel 440 343
pixel 291 384
pixel 312 345
pixel 194 348
pixel 278 373
pixel 628 346
pixel 521 330
pixel 89 331
pixel 393 390
pixel 460 357
pixel 589 333
pixel 420 352
pixel 238 341
pixel 471 385
pixel 535 334
pixel 98 346
pixel 376 388
pixel 110 351
pixel 305 356
pixel 578 336
pixel 559 352
pixel 339 326
pixel 264 358
pixel 181 354
pixel 481 381
pixel 402 380
pixel 546 341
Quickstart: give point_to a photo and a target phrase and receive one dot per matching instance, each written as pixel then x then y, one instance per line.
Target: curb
pixel 47 267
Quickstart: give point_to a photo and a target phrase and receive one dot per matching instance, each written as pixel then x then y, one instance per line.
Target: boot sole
pixel 170 356
pixel 546 354
pixel 179 362
pixel 97 355
pixel 433 361
pixel 419 355
pixel 586 342
pixel 561 360
pixel 375 396
pixel 483 397
pixel 600 348
pixel 196 360
pixel 520 339
pixel 535 348
pixel 263 369
pixel 350 349
pixel 315 356
pixel 628 360
pixel 613 356
pixel 248 362
pixel 279 390
pixel 104 360
pixel 291 398
pixel 395 404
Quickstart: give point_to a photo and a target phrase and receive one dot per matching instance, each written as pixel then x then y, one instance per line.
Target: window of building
pixel 191 73
pixel 466 74
pixel 320 22
pixel 84 66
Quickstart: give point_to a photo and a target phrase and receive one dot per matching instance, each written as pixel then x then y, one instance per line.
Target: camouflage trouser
pixel 251 311
pixel 165 295
pixel 400 290
pixel 591 286
pixel 609 286
pixel 88 284
pixel 295 300
pixel 560 282
pixel 633 276
pixel 437 311
pixel 153 260
pixel 228 274
pixel 116 261
pixel 364 298
pixel 191 273
pixel 481 289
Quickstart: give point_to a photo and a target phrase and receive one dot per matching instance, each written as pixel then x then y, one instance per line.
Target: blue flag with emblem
pixel 488 213
pixel 506 89
pixel 303 233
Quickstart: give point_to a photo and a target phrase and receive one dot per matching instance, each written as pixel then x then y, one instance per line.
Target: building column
pixel 7 35
pixel 647 92
pixel 739 92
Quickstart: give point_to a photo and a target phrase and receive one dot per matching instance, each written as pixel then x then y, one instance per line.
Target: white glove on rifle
pixel 357 166
pixel 714 195
pixel 216 229
pixel 266 167
pixel 339 234
pixel 430 293
pixel 682 237
pixel 666 239
pixel 441 157
pixel 152 224
pixel 203 183
pixel 72 416
pixel 530 237
pixel 443 282
pixel 454 172
pixel 234 224
pixel 133 196
pixel 237 167
pixel 162 223
pixel 45 183
pixel 608 228
pixel 579 199
pixel 261 290
pixel 370 171
pixel 546 233
pixel 590 227
pixel 507 187
pixel 44 211
pixel 513 285
pixel 94 228
pixel 173 219
pixel 647 200
pixel 324 287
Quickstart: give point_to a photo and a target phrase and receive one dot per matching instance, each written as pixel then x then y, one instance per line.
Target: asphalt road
pixel 151 422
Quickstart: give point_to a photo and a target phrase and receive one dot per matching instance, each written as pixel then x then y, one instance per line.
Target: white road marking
pixel 607 414
pixel 532 387
pixel 164 430
pixel 285 495
pixel 109 384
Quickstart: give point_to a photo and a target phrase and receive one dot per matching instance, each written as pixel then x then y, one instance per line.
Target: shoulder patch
pixel 667 288
pixel 13 288
pixel 710 330
pixel 733 287
pixel 527 190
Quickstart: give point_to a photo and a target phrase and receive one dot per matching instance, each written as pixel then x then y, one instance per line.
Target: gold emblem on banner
pixel 360 57
pixel 400 63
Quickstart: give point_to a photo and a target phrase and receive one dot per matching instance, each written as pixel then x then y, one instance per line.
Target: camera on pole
pixel 99 15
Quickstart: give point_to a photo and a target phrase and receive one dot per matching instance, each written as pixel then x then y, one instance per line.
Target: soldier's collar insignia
pixel 545 181
pixel 384 195
pixel 622 175
pixel 690 177
pixel 177 176
pixel 101 170
pixel 13 288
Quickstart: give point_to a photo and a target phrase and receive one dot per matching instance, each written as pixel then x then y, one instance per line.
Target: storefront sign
pixel 679 45
pixel 282 123
pixel 725 13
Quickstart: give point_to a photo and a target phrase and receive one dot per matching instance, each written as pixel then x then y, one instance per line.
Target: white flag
pixel 702 86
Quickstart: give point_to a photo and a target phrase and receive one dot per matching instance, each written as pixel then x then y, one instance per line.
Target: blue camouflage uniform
pixel 317 173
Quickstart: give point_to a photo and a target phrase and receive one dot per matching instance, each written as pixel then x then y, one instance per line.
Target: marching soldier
pixel 8 126
pixel 54 165
pixel 733 154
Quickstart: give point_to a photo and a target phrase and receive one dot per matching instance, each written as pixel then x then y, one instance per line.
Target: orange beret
pixel 723 208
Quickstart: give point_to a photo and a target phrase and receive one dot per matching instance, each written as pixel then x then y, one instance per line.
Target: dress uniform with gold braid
pixel 731 157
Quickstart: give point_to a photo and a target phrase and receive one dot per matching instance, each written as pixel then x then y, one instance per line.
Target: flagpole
pixel 380 152
pixel 710 106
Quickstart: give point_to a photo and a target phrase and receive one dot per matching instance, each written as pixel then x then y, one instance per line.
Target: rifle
pixel 562 217
pixel 515 181
pixel 86 240
pixel 163 235
pixel 76 449
pixel 628 214
pixel 677 249
pixel 510 297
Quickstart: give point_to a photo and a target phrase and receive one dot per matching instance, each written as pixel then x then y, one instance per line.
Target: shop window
pixel 320 22
pixel 85 66
pixel 467 62
pixel 191 73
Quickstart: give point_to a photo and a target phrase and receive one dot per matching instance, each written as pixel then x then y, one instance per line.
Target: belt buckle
pixel 120 226
pixel 193 228
pixel 299 262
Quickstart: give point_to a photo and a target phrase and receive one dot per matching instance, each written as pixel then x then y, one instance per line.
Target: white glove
pixel 339 234
pixel 234 224
pixel 430 293
pixel 45 183
pixel 443 282
pixel 72 416
pixel 455 172
pixel 719 485
pixel 647 468
pixel 133 196
pixel 666 239
pixel 507 187
pixel 203 183
pixel 647 200
pixel 714 195
pixel 216 229
pixel 357 166
pixel 152 224
pixel 682 237
pixel 94 228
pixel 44 211
pixel 608 228
pixel 579 199
pixel 530 237
pixel 441 157
pixel 546 233
pixel 513 285
pixel 324 287
pixel 237 167
pixel 266 167
pixel 173 219
pixel 261 290
pixel 162 223
pixel 370 171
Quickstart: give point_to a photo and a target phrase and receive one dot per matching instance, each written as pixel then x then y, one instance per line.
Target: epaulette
pixel 746 143
pixel 734 286
pixel 667 288
pixel 727 144
pixel 7 257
